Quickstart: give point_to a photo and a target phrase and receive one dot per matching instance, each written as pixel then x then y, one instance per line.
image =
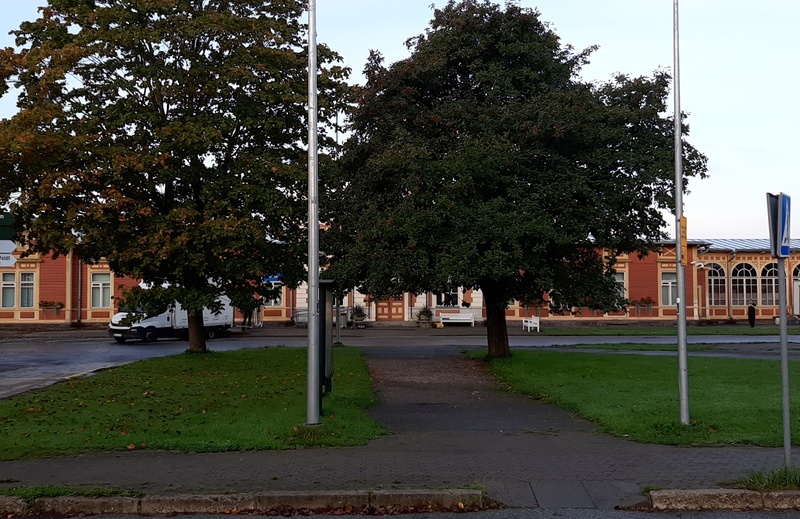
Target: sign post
pixel 779 209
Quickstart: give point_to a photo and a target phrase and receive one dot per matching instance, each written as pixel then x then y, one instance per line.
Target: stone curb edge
pixel 380 501
pixel 724 499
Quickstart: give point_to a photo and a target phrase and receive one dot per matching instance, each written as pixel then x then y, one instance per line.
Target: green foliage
pixel 213 402
pixel 167 137
pixel 734 401
pixel 483 160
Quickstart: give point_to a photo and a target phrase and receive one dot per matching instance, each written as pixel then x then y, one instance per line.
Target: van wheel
pixel 119 340
pixel 150 335
pixel 211 333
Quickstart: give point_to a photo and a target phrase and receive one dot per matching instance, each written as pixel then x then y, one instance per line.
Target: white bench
pixel 530 323
pixel 457 317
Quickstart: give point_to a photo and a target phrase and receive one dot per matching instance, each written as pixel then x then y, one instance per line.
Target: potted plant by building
pixel 53 307
pixel 648 303
pixel 424 315
pixel 358 312
pixel 644 306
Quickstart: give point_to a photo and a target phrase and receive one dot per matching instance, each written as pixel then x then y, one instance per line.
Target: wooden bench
pixel 530 323
pixel 457 317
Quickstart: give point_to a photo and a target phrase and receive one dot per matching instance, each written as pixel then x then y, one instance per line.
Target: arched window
pixel 769 284
pixel 744 284
pixel 717 287
pixel 796 272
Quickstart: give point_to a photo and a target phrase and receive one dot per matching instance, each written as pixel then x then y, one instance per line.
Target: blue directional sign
pixel 779 208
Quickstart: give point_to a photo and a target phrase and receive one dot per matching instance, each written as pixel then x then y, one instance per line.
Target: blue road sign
pixel 783 229
pixel 779 210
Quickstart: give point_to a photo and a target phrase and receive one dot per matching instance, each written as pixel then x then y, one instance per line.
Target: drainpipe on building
pixel 80 293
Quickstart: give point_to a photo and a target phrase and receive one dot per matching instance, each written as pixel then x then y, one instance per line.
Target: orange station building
pixel 722 277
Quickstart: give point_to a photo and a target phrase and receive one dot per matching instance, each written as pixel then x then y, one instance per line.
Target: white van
pixel 172 323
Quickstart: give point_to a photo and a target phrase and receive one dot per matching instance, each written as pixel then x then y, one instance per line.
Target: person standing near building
pixel 751 314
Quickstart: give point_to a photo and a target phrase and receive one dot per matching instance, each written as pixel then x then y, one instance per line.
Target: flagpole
pixel 683 369
pixel 313 376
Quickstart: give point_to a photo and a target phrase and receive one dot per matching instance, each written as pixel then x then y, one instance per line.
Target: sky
pixel 738 77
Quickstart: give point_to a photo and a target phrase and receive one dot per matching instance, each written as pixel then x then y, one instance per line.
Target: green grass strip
pixel 213 402
pixel 732 401
pixel 30 494
pixel 623 329
pixel 783 478
pixel 632 346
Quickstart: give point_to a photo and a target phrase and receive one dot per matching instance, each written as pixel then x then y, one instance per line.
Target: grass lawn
pixel 732 401
pixel 633 346
pixel 625 329
pixel 212 402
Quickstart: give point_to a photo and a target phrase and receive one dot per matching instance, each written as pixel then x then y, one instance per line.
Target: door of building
pixel 390 309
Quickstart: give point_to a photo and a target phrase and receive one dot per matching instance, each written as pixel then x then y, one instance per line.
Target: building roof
pixel 743 244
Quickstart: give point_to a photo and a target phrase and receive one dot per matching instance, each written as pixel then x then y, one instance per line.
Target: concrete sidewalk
pixel 452 432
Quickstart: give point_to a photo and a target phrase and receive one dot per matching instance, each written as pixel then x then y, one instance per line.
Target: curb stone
pixel 12 505
pixel 783 500
pixel 724 499
pixel 381 501
pixel 80 505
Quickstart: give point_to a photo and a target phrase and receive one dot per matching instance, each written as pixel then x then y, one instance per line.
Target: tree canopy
pixel 168 137
pixel 484 161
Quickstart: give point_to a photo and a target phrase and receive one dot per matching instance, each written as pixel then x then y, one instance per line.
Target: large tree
pixel 166 136
pixel 483 161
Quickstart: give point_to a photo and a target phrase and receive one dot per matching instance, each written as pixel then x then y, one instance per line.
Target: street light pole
pixel 313 377
pixel 683 370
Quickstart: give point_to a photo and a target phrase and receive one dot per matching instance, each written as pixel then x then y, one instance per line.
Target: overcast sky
pixel 738 81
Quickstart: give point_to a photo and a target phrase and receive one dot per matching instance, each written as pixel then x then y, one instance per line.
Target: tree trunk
pixel 496 331
pixel 197 333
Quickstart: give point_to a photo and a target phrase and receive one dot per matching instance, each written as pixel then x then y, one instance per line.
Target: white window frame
pixel 769 284
pixel 669 289
pixel 277 301
pixel 744 284
pixel 717 285
pixel 9 290
pixel 619 277
pixel 101 290
pixel 441 298
pixel 27 290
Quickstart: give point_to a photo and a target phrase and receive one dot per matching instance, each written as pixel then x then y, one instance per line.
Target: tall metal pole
pixel 787 422
pixel 683 369
pixel 314 382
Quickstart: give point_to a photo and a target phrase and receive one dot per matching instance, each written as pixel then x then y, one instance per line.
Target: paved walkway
pixel 450 427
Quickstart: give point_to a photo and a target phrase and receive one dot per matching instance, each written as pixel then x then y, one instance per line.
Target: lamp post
pixel 683 370
pixel 314 396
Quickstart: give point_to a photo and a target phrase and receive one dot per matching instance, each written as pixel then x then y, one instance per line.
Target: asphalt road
pixel 38 360
pixel 30 362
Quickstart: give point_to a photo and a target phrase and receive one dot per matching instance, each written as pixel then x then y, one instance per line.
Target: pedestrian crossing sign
pixel 779 208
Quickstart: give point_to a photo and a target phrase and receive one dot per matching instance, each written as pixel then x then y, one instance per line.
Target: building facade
pixel 722 278
pixel 39 289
